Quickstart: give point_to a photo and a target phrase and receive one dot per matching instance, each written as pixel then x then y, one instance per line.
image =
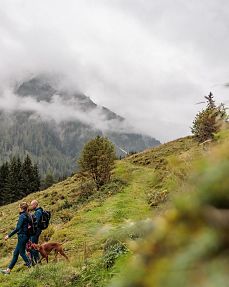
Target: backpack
pixel 32 224
pixel 44 223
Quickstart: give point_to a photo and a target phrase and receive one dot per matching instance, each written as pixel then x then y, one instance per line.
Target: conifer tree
pixel 4 175
pixel 27 174
pixel 36 179
pixel 13 184
pixel 208 121
pixel 18 179
pixel 48 180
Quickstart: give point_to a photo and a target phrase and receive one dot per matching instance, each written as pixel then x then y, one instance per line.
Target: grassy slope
pixel 148 177
pixel 189 244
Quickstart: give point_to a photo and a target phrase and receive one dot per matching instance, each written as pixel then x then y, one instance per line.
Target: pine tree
pixel 4 175
pixel 97 159
pixel 2 196
pixel 48 181
pixel 36 179
pixel 13 184
pixel 208 121
pixel 18 179
pixel 27 175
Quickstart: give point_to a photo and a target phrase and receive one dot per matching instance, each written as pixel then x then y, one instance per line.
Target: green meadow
pixel 150 226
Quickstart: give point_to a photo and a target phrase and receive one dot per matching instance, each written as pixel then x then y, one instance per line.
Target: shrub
pixel 112 250
pixel 64 205
pixel 157 197
pixel 87 189
pixel 66 216
pixel 47 233
pixel 113 187
pixel 89 192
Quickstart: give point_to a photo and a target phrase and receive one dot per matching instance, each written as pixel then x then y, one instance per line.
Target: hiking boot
pixel 33 263
pixel 30 264
pixel 6 271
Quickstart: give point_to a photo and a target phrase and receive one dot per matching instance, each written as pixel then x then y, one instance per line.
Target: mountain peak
pixel 44 88
pixel 54 128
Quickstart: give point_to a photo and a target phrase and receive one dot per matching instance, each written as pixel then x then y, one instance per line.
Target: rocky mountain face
pixel 52 125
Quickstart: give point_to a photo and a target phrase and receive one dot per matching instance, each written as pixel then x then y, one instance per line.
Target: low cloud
pixel 60 110
pixel 148 61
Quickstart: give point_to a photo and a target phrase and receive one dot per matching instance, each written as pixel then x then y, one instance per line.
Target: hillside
pixel 151 208
pixel 52 124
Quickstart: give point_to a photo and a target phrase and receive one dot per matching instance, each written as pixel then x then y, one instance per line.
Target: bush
pixel 64 205
pixel 87 190
pixel 47 233
pixel 157 197
pixel 112 250
pixel 113 187
pixel 66 216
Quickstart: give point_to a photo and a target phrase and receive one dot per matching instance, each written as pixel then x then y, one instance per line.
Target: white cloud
pixel 61 109
pixel 149 61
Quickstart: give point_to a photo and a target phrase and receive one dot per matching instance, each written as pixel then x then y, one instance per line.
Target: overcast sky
pixel 149 61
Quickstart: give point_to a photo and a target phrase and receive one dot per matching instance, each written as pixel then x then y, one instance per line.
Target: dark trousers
pixel 20 249
pixel 35 253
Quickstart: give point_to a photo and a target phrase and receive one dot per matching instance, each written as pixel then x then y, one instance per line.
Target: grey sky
pixel 149 61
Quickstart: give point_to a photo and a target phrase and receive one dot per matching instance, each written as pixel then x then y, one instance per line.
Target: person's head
pixel 33 204
pixel 23 206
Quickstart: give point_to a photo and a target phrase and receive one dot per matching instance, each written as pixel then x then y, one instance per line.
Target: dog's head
pixel 35 246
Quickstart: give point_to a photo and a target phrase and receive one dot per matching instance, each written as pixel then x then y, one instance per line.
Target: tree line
pixel 18 179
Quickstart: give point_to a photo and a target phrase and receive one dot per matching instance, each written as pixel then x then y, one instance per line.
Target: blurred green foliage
pixel 189 245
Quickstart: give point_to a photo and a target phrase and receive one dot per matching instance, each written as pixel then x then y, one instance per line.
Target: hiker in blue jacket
pixel 35 238
pixel 23 237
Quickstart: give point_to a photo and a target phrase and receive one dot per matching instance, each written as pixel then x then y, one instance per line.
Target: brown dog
pixel 47 247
